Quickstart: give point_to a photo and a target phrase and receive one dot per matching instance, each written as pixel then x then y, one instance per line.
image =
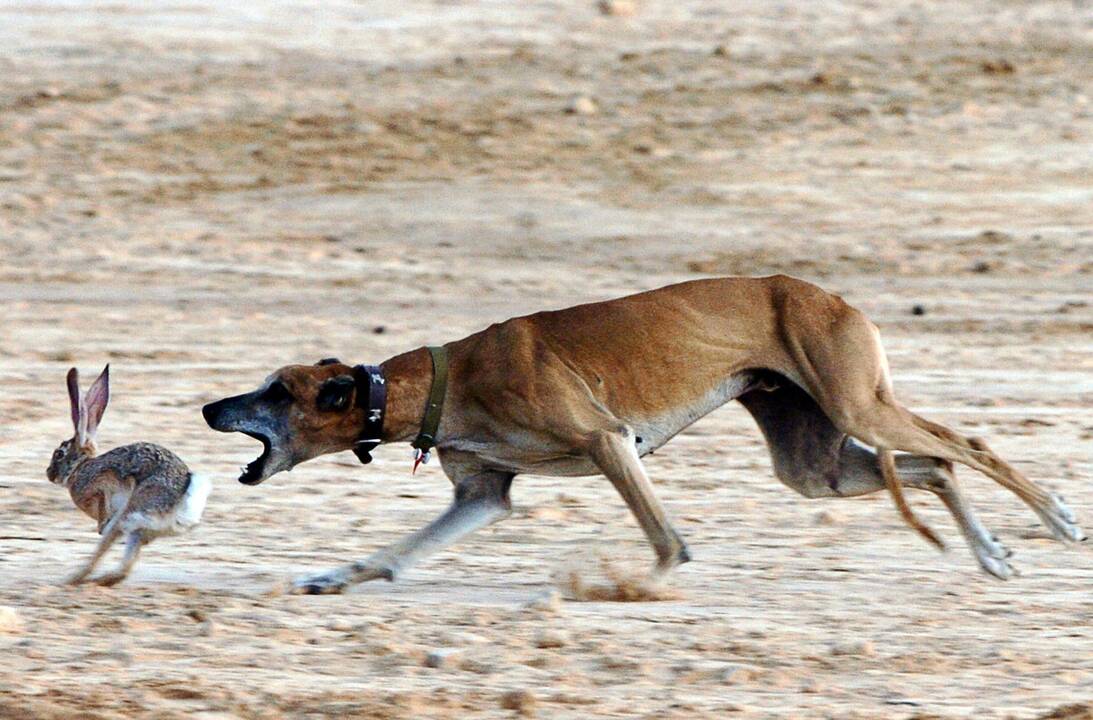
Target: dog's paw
pixel 1060 520
pixel 331 583
pixel 379 567
pixel 999 567
pixel 337 581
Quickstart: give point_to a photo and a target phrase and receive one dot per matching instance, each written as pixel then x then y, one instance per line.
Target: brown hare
pixel 142 491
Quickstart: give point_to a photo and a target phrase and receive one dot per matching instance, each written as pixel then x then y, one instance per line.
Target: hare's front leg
pixel 133 543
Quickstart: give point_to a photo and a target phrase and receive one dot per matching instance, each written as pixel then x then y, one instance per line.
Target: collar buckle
pixel 434 407
pixel 372 398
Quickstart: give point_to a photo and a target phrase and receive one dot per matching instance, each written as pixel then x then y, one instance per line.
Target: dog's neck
pixel 409 377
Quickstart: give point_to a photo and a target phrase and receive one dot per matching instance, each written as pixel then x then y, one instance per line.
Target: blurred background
pixel 199 192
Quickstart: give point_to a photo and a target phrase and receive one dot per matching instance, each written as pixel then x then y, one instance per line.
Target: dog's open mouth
pixel 254 471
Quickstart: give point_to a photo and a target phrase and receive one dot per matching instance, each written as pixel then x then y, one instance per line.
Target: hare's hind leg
pixel 110 535
pixel 149 514
pixel 133 544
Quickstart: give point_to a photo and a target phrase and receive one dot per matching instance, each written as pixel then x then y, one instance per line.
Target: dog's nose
pixel 211 412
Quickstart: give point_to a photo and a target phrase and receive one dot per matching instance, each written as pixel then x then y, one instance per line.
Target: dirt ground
pixel 198 194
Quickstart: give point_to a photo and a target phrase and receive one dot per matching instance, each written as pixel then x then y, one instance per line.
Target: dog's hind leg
pixel 860 474
pixel 614 453
pixel 854 389
pixel 816 459
pixel 480 500
pixel 1048 506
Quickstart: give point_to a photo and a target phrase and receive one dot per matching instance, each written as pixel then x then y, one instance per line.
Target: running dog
pixel 591 389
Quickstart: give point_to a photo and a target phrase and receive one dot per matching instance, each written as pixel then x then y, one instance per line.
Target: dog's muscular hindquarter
pixel 592 388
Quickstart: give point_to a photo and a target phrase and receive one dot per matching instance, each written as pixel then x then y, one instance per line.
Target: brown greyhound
pixel 591 389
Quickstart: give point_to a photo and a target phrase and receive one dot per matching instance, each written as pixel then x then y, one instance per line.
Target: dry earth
pixel 198 193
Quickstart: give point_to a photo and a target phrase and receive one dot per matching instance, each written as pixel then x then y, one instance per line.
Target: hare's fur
pixel 140 491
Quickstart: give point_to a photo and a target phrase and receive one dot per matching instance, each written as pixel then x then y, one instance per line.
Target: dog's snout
pixel 224 414
pixel 211 413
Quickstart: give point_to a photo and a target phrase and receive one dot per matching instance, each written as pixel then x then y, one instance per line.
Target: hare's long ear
pixel 95 401
pixel 76 403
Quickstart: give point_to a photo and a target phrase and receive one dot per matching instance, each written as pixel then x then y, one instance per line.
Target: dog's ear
pixel 336 393
pixel 329 361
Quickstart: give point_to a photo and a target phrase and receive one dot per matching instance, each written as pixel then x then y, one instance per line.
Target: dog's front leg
pixel 615 455
pixel 480 500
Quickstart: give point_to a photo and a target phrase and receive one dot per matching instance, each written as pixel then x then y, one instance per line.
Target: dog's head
pixel 299 412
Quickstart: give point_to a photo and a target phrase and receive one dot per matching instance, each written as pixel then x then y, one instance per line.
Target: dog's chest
pixel 524 454
pixel 530 453
pixel 654 431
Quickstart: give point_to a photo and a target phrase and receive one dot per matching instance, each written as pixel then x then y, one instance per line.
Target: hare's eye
pixel 276 392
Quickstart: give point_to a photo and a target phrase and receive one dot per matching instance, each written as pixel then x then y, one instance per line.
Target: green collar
pixel 426 439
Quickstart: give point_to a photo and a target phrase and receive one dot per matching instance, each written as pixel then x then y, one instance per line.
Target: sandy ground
pixel 199 194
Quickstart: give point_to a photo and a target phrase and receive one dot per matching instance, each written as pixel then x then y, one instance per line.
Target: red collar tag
pixel 420 458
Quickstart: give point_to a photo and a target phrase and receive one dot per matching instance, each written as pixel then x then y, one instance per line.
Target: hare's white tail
pixel 192 505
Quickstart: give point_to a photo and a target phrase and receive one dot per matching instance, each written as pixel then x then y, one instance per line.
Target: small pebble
pixel 548 602
pixel 9 620
pixel 738 674
pixel 441 657
pixel 861 648
pixel 522 701
pixel 526 220
pixel 617 8
pixel 827 517
pixel 478 666
pixel 1001 66
pixel 339 625
pixel 551 639
pixel 994 237
pixel 582 105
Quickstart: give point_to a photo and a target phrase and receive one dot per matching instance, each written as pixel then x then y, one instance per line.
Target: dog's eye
pixel 276 392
